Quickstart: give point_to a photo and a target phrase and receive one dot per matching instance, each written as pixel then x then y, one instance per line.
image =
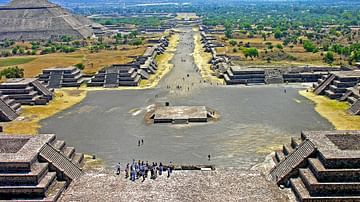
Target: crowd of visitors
pixel 143 170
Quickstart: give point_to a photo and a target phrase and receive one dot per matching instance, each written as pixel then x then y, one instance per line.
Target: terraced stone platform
pixel 36 168
pixel 336 84
pixel 59 77
pixel 132 73
pixel 27 91
pixel 327 169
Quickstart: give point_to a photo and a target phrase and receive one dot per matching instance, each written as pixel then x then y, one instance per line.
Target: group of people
pixel 141 170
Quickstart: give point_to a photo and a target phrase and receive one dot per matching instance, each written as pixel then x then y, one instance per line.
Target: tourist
pixel 127 171
pixel 168 171
pixel 142 141
pixel 161 168
pixel 133 174
pixel 171 167
pixel 117 169
pixel 139 143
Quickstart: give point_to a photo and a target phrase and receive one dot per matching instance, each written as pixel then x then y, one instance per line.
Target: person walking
pixel 209 157
pixel 117 168
pixel 168 171
pixel 127 171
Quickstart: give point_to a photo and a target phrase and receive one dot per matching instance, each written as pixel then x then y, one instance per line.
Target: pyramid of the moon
pixel 40 19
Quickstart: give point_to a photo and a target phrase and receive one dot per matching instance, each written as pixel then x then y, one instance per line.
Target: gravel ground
pixel 219 185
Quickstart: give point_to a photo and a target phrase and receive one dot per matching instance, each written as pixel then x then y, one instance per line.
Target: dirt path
pixel 184 78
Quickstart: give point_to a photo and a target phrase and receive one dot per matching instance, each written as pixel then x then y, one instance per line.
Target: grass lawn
pixel 33 65
pixel 201 59
pixel 28 122
pixel 334 111
pixel 15 61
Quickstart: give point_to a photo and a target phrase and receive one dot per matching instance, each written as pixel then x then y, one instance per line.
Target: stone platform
pixel 181 114
pixel 321 166
pixel 27 91
pixel 59 77
pixel 36 168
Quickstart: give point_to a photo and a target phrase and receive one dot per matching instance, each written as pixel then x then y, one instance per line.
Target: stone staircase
pixel 273 76
pixel 331 172
pixel 323 84
pixel 55 79
pixel 355 108
pixel 8 109
pixel 291 161
pixel 111 80
pixel 53 154
pixel 42 89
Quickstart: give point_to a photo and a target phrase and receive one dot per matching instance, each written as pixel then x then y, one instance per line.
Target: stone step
pixel 59 144
pixel 295 142
pixel 279 156
pixel 38 171
pixel 332 175
pixel 317 188
pixel 78 159
pixel 287 149
pixel 39 190
pixel 69 152
pixel 302 194
pixel 55 190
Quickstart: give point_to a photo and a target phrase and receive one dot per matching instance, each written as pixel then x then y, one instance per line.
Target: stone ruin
pixel 36 168
pixel 41 20
pixel 341 85
pixel 26 91
pixel 352 95
pixel 132 73
pixel 9 108
pixel 320 166
pixel 60 77
pixel 180 114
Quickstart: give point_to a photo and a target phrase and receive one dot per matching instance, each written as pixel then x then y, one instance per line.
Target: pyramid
pixel 41 20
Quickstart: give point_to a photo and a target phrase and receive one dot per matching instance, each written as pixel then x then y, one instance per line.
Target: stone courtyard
pixel 219 185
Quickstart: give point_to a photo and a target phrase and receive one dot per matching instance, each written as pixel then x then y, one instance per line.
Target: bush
pixel 12 72
pixel 80 66
pixel 309 46
pixel 233 42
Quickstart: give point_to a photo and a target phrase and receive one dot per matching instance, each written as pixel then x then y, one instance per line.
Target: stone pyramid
pixel 40 19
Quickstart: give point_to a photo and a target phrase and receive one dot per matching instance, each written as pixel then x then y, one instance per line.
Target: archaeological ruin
pixel 9 108
pixel 181 114
pixel 44 20
pixel 320 166
pixel 28 91
pixel 132 73
pixel 59 77
pixel 36 168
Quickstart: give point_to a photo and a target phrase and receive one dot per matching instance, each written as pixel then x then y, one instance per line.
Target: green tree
pixel 251 52
pixel 309 46
pixel 12 72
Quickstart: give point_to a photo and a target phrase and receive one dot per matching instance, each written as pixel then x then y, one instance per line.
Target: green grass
pixel 15 61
